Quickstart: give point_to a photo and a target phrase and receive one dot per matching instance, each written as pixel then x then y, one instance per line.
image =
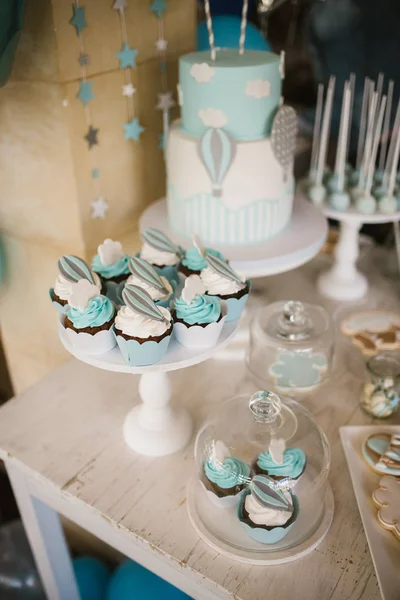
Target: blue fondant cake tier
pixel 239 93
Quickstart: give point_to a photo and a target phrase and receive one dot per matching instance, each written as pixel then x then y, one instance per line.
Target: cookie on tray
pixel 387 499
pixel 382 453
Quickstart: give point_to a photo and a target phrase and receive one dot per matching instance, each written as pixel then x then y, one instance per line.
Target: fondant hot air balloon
pixel 217 151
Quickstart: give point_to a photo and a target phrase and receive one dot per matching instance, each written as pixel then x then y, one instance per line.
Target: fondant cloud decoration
pixel 202 72
pixel 212 117
pixel 110 252
pixel 193 287
pixel 82 292
pixel 259 88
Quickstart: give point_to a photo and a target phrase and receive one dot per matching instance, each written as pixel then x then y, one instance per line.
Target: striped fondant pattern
pixel 209 218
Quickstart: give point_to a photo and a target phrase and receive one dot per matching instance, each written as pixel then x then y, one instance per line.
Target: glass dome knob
pixel 265 406
pixel 295 322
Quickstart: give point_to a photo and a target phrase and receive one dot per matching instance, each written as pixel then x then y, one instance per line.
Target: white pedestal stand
pixel 343 281
pixel 155 428
pixel 298 243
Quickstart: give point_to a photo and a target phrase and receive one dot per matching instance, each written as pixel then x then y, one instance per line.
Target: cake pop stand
pixel 298 243
pixel 155 428
pixel 344 281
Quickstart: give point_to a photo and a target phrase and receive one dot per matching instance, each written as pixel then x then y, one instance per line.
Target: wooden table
pixel 63 448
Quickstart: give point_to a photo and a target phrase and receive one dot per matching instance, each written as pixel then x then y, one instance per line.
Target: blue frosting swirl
pixel 194 261
pixel 202 310
pixel 109 271
pixel 99 310
pixel 231 473
pixel 294 460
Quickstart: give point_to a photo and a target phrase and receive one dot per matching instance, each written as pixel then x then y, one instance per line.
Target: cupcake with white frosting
pixel 111 264
pixel 287 466
pixel 193 262
pixel 161 253
pixel 160 290
pixel 143 329
pixel 221 280
pixel 225 477
pixel 71 269
pixel 88 320
pixel 198 318
pixel 267 511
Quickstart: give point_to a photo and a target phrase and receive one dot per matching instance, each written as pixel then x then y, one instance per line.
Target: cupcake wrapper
pixel 225 501
pixel 59 307
pixel 263 535
pixel 195 336
pixel 140 355
pixel 99 343
pixel 235 307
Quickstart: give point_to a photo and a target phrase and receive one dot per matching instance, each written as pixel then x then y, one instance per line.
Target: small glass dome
pixel 262 466
pixel 291 347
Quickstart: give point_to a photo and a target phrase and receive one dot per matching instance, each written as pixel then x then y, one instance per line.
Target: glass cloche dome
pixel 261 482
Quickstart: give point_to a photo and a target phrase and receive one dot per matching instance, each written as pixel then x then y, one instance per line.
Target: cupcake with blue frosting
pixel 198 318
pixel 111 264
pixel 71 269
pixel 160 290
pixel 143 329
pixel 288 465
pixel 88 321
pixel 194 262
pixel 161 253
pixel 225 477
pixel 222 281
pixel 267 511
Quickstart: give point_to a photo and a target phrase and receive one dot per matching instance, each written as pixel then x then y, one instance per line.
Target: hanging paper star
pixel 127 57
pixel 99 208
pixel 163 66
pixel 95 173
pixel 85 92
pixel 161 45
pixel 161 143
pixel 120 5
pixel 165 101
pixel 78 20
pixel 128 90
pixel 133 130
pixel 83 59
pixel 158 7
pixel 91 137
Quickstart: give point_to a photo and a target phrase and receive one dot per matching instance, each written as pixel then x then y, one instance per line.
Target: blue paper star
pixel 161 144
pixel 163 66
pixel 133 130
pixel 95 173
pixel 85 92
pixel 127 57
pixel 78 20
pixel 158 7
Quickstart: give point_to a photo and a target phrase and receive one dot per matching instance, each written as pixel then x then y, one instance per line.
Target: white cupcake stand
pixel 154 427
pixel 344 281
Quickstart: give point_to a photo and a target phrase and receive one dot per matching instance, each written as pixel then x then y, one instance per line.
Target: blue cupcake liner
pixel 59 307
pixel 264 536
pixel 141 355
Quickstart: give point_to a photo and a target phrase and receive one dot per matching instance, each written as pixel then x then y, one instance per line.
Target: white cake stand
pixel 344 281
pixel 155 428
pixel 298 243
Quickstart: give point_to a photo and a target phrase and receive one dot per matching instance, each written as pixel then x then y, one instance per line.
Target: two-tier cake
pixel 230 158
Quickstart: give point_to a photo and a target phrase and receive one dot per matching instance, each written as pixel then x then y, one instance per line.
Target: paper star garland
pixel 78 20
pixel 158 7
pixel 128 90
pixel 95 173
pixel 161 45
pixel 165 101
pixel 91 137
pixel 85 92
pixel 120 4
pixel 126 56
pixel 99 208
pixel 83 59
pixel 133 130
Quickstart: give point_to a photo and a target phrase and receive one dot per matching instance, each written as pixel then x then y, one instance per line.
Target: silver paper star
pixel 161 45
pixel 128 90
pixel 120 5
pixel 99 208
pixel 165 101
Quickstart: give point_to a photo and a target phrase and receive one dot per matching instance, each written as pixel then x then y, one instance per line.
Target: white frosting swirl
pixel 63 287
pixel 135 325
pixel 216 285
pixel 260 515
pixel 154 293
pixel 158 257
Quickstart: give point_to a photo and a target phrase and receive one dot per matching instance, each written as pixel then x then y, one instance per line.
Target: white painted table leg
pixel 155 428
pixel 343 281
pixel 46 538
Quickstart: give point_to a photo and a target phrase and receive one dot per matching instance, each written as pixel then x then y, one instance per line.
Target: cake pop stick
pixel 373 98
pixel 379 88
pixel 392 145
pixel 211 38
pixel 388 204
pixel 339 198
pixel 317 131
pixel 243 26
pixel 352 92
pixel 363 123
pixel 386 127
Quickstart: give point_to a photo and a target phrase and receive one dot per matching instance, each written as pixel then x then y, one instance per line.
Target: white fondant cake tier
pixel 254 201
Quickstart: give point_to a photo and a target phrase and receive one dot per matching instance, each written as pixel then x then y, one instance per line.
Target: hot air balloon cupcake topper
pixel 283 138
pixel 217 150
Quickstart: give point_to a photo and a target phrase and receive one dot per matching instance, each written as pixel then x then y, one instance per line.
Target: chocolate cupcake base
pixel 68 324
pixel 156 338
